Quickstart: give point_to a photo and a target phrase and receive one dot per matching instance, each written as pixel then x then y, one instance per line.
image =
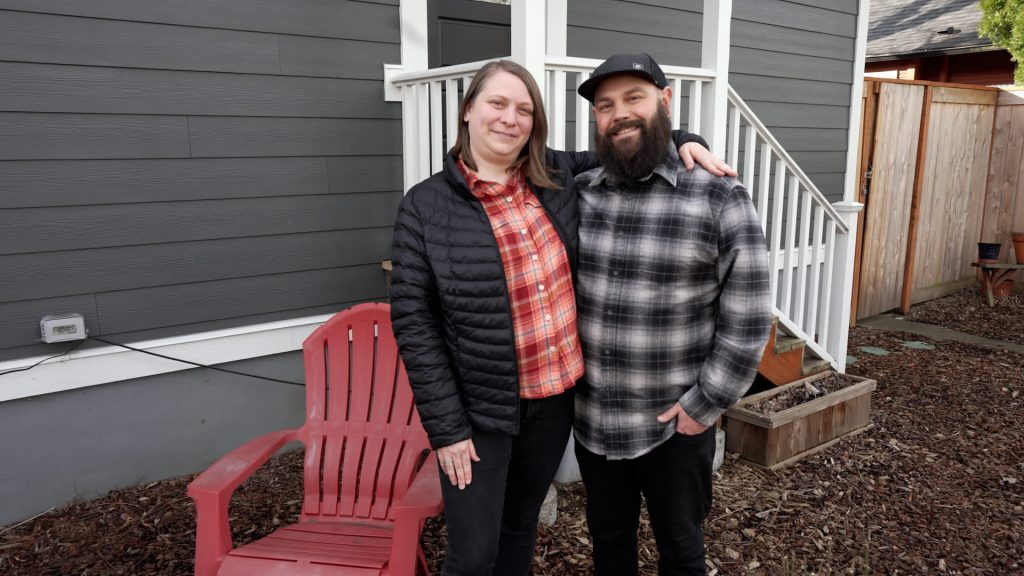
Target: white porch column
pixel 557 25
pixel 715 56
pixel 842 283
pixel 529 22
pixel 412 24
pixel 850 192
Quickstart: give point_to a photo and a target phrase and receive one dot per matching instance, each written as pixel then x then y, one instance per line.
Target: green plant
pixel 1002 22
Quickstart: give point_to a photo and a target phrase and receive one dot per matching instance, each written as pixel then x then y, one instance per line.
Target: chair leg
pixel 422 557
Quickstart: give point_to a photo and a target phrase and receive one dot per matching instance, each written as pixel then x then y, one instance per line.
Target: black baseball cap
pixel 641 65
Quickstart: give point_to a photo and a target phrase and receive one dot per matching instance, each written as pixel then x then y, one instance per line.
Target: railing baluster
pixel 436 106
pixel 556 124
pixel 792 197
pixel 749 152
pixel 452 111
pixel 734 138
pixel 813 302
pixel 693 123
pixel 422 132
pixel 677 103
pixel 582 117
pixel 826 297
pixel 409 169
pixel 775 241
pixel 762 193
pixel 804 247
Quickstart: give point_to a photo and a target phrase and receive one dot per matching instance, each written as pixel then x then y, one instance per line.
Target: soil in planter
pixel 800 394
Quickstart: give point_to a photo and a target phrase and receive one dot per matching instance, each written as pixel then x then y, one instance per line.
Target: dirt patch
pixel 799 394
pixel 936 486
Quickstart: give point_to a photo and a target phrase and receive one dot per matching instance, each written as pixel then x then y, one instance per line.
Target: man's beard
pixel 632 160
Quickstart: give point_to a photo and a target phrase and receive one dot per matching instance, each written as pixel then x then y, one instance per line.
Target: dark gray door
pixel 467 31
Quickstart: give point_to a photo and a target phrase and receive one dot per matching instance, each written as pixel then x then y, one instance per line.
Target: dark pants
pixel 674 479
pixel 492 524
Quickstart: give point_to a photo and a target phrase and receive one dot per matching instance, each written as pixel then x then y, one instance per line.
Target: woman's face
pixel 500 120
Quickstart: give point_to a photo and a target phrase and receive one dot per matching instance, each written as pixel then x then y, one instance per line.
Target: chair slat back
pixel 364 440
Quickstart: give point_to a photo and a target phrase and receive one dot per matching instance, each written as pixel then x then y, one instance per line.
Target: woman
pixel 484 313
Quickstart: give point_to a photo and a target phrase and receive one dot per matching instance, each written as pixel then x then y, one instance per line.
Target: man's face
pixel 623 105
pixel 633 126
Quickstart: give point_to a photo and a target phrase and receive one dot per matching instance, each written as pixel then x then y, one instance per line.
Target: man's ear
pixel 666 99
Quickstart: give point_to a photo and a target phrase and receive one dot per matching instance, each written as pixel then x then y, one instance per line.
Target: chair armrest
pixel 421 501
pixel 212 491
pixel 423 497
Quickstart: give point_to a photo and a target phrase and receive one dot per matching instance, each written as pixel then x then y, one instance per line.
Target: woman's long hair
pixel 531 157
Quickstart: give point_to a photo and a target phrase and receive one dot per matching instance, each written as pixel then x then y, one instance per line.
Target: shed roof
pixel 902 28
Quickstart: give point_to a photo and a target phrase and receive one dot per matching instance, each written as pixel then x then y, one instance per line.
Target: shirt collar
pixel 481 188
pixel 668 169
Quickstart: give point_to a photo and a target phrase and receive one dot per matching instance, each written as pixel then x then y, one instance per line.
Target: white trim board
pixel 108 364
pixel 850 192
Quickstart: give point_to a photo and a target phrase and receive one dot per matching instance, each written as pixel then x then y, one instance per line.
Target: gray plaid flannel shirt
pixel 673 303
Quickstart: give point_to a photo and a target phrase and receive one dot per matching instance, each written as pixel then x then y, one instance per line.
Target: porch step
pixel 786 358
pixel 813 365
pixel 785 343
pixel 781 362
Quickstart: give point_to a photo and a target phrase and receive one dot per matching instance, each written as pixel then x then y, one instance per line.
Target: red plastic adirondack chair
pixel 370 482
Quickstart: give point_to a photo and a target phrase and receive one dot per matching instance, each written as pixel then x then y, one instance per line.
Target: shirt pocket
pixel 684 258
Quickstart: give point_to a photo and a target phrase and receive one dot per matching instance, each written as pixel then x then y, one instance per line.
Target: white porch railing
pixel 799 223
pixel 805 233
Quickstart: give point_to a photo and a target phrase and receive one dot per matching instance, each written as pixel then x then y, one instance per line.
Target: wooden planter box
pixel 781 438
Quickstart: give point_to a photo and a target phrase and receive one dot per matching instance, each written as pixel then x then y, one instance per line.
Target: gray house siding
pixel 83 443
pixel 792 62
pixel 173 167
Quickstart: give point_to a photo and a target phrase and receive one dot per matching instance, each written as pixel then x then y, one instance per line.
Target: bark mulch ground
pixel 935 486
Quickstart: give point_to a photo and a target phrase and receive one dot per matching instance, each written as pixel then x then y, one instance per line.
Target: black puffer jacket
pixel 449 300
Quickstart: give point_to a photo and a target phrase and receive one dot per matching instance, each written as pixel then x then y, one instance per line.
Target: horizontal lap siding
pixel 172 167
pixel 791 61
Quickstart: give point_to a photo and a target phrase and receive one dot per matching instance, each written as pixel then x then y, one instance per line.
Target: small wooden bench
pixel 994 274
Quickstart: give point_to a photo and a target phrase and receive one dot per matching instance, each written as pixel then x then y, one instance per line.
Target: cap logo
pixel 638 66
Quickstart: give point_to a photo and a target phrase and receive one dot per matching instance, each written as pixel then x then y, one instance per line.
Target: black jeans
pixel 492 524
pixel 675 480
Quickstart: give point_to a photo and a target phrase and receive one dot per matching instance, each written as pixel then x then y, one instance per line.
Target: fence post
pixel 842 283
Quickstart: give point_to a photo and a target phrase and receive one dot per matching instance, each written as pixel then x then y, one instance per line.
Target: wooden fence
pixel 940 172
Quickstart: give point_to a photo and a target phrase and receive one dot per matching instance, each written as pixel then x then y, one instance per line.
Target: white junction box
pixel 62 328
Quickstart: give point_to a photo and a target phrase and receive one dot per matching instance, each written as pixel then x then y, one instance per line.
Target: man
pixel 674 313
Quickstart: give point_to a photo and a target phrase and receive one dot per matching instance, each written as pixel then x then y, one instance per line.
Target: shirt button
pixel 508 199
pixel 547 317
pixel 615 273
pixel 534 257
pixel 540 287
pixel 523 231
pixel 552 349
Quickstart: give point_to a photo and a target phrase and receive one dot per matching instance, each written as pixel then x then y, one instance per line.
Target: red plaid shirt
pixel 539 285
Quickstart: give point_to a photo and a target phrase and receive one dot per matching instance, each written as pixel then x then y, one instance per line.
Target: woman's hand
pixel 693 151
pixel 456 461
